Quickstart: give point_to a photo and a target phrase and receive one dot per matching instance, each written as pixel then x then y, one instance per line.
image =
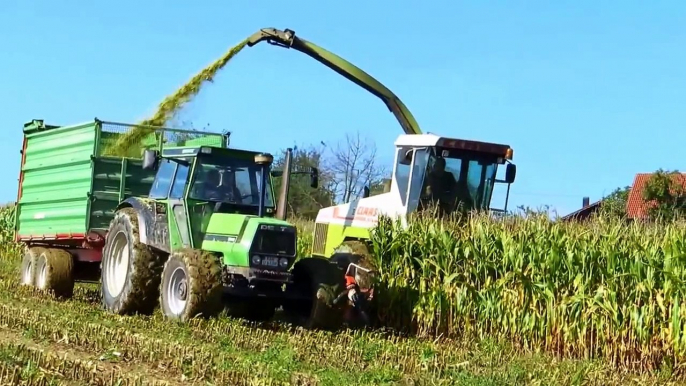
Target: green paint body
pixel 69 188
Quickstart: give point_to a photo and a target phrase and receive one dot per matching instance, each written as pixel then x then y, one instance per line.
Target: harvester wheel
pixel 191 285
pixel 318 281
pixel 130 270
pixel 28 265
pixel 55 272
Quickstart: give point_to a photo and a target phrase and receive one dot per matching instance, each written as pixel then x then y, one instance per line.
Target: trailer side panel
pixel 55 183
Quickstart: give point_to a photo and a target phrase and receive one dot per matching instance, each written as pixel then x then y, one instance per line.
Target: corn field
pixel 603 289
pixel 520 301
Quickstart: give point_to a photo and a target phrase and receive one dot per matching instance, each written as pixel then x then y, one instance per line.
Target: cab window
pixel 179 181
pixel 162 183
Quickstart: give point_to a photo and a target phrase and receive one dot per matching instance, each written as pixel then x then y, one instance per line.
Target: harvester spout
pixel 348 70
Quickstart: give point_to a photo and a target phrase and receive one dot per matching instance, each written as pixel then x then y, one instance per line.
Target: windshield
pixel 456 179
pixel 230 180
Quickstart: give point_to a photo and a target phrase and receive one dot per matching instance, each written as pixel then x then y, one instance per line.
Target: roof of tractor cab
pixel 454 143
pixel 189 151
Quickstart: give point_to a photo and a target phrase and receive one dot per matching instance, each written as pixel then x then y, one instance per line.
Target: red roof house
pixel 636 207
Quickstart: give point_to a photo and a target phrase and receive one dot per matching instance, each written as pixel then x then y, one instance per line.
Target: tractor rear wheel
pixel 55 272
pixel 28 266
pixel 130 270
pixel 191 285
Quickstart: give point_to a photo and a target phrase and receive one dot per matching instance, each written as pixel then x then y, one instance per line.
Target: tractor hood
pixel 238 236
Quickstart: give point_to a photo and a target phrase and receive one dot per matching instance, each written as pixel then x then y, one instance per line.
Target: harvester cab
pixel 452 174
pixel 429 172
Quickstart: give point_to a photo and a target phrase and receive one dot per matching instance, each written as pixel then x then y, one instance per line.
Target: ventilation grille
pixel 320 231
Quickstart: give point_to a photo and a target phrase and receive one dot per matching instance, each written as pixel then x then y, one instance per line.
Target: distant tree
pixel 614 205
pixel 353 165
pixel 667 194
pixel 303 200
pixel 379 186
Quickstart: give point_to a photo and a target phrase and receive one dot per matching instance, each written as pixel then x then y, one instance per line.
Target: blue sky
pixel 587 93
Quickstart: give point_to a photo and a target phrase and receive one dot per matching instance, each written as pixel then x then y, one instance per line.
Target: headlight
pixel 256 260
pixel 283 262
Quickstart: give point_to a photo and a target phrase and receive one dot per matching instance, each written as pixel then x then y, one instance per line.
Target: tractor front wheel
pixel 191 285
pixel 130 270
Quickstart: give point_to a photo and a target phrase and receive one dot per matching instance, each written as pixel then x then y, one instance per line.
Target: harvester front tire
pixel 130 270
pixel 191 285
pixel 319 280
pixel 28 266
pixel 55 272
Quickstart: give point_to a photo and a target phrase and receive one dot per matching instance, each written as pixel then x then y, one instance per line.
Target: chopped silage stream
pixel 171 104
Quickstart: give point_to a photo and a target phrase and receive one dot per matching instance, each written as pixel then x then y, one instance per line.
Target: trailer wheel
pixel 191 285
pixel 28 265
pixel 130 270
pixel 55 272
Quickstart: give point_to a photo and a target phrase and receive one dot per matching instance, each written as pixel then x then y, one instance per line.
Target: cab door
pixel 169 188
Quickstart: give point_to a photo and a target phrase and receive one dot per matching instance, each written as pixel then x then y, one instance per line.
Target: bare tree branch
pixel 354 166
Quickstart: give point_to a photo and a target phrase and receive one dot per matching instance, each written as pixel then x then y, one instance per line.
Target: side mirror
pixel 510 173
pixel 277 173
pixel 150 159
pixel 314 178
pixel 407 158
pixel 365 192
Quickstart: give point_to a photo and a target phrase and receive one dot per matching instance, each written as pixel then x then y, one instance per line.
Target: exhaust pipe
pixel 282 205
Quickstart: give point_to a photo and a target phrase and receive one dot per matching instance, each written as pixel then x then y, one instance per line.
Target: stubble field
pixel 485 307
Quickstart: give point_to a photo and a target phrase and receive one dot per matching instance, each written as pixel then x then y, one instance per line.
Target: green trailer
pixel 177 219
pixel 69 190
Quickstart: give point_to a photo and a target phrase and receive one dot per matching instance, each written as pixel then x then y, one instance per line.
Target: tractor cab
pixel 213 195
pixel 229 179
pixel 454 174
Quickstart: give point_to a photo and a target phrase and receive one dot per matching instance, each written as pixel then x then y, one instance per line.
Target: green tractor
pixel 194 228
pixel 214 226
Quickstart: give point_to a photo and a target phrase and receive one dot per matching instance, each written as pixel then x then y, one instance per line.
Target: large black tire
pixel 55 272
pixel 130 270
pixel 191 285
pixel 318 280
pixel 29 262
